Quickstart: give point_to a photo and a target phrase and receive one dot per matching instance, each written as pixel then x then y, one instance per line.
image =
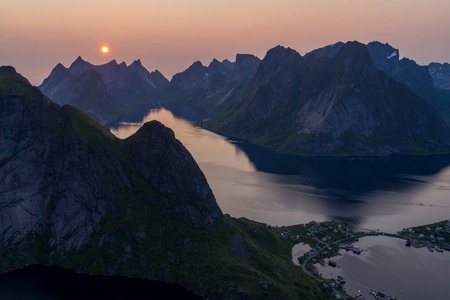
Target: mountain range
pixel 105 92
pixel 342 99
pixel 333 101
pixel 75 196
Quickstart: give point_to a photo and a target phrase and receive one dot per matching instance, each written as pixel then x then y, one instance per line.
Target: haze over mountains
pixel 342 99
pixel 106 92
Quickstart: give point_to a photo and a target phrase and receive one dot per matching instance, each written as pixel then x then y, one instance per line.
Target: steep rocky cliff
pixel 60 171
pixel 72 195
pixel 337 104
pixel 440 73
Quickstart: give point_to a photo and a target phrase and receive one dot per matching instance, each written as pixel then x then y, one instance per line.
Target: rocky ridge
pixel 74 196
pixel 339 104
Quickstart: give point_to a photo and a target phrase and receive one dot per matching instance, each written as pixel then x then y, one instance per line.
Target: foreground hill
pixel 335 104
pixel 74 196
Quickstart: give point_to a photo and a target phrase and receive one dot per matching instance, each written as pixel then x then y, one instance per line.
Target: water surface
pixel 391 267
pixel 385 193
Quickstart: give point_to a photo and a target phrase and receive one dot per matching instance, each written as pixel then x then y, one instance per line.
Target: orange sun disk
pixel 105 49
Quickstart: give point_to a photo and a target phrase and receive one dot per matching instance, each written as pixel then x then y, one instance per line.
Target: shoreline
pixel 319 249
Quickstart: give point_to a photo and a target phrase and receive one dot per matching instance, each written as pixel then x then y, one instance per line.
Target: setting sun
pixel 105 49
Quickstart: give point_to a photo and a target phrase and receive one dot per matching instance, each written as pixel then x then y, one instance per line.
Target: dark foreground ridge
pixel 45 282
pixel 74 196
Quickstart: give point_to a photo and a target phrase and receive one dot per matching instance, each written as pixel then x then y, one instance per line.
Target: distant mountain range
pixel 342 99
pixel 105 92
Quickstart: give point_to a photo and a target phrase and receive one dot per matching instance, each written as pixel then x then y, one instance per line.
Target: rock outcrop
pixel 61 172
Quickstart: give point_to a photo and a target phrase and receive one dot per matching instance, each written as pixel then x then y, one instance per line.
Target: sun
pixel 105 49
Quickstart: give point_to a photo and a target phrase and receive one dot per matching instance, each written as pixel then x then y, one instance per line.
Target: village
pixel 326 239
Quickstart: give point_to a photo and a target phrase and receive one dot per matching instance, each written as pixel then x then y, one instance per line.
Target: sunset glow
pixel 105 49
pixel 170 35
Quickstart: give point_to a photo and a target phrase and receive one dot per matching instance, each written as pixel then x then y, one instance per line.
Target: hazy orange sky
pixel 169 35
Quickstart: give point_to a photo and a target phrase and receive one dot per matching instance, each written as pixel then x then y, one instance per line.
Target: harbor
pixel 354 262
pixel 389 268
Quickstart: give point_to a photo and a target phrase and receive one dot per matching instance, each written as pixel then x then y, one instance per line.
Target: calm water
pixel 386 193
pixel 389 266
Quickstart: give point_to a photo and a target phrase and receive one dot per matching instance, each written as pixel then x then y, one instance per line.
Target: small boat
pixel 357 250
pixel 381 296
pixel 438 249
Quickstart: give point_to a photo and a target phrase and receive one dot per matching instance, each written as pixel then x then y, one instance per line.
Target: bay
pixel 390 267
pixel 386 193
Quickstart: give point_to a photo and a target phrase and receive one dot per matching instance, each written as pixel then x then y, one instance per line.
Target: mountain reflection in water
pixel 386 193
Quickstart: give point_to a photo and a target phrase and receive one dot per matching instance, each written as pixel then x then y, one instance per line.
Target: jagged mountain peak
pixel 153 129
pixel 192 77
pixel 245 67
pixel 59 66
pixel 217 67
pixel 278 54
pixel 280 50
pixel 136 63
pixel 355 56
pixel 118 82
pixel 214 62
pixel 157 72
pixel 353 48
pixel 196 64
pixel 327 51
pixel 277 61
pixel 78 61
pixel 385 57
pixel 79 66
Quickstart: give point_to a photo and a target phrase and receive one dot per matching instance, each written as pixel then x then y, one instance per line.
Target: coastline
pixel 325 247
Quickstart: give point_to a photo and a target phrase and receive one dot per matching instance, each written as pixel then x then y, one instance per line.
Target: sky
pixel 169 35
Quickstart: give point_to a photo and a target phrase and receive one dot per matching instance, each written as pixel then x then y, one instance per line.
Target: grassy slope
pixel 141 239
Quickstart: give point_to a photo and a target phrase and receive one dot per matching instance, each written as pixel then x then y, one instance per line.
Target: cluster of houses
pixel 433 233
pixel 316 228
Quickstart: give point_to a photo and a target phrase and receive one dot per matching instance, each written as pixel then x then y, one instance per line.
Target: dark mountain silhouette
pixel 331 105
pixel 75 196
pixel 440 73
pixel 115 92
